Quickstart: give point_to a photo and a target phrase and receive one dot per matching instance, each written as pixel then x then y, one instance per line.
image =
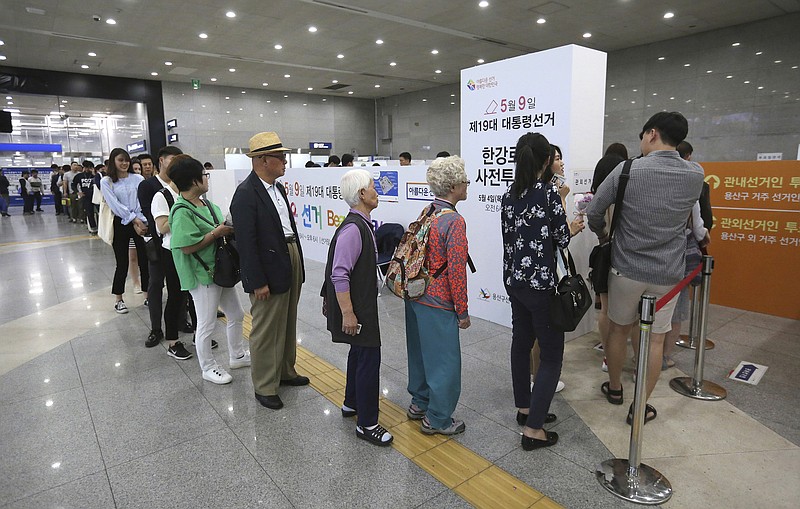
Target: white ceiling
pixel 151 32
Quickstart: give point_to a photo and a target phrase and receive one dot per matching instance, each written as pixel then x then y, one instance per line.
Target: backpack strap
pixel 443 267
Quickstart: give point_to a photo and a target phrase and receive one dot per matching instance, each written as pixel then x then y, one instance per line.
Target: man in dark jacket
pixel 4 185
pixel 272 268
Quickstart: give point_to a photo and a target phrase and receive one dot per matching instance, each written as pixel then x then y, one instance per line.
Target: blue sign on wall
pixel 320 145
pixel 139 146
pixel 30 147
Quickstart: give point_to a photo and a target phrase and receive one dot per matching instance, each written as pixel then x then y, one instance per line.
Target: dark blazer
pixel 147 190
pixel 263 250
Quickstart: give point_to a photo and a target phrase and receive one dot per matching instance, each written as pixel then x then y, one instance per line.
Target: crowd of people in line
pixel 663 224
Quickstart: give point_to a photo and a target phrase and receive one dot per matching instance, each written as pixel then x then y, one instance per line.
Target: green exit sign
pixel 195 84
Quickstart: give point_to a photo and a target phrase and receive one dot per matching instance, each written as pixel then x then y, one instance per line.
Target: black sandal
pixel 647 410
pixel 613 396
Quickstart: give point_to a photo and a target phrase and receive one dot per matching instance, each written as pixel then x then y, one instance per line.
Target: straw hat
pixel 264 143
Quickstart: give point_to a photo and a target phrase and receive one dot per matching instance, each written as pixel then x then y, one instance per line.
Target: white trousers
pixel 207 298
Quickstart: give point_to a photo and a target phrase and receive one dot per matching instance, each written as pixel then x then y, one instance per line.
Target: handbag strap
pixel 569 263
pixel 623 183
pixel 213 215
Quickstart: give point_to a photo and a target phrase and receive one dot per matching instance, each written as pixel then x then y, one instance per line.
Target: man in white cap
pixel 272 268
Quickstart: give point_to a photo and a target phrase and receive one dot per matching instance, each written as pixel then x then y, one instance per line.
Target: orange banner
pixel 755 241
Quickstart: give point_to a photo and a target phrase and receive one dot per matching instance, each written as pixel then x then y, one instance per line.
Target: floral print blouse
pixel 532 225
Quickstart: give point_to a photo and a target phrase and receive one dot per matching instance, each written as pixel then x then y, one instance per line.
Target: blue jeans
pixel 4 203
pixel 434 361
pixel 530 321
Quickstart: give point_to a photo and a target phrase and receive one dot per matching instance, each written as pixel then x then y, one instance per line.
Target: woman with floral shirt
pixel 534 224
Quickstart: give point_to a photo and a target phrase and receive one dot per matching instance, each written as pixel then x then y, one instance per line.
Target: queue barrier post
pixel 694 386
pixel 630 479
pixel 690 340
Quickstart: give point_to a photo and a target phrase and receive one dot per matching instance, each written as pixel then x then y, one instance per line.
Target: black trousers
pixel 123 233
pixel 161 271
pixel 37 197
pixel 88 208
pixel 363 383
pixel 57 200
pixel 27 203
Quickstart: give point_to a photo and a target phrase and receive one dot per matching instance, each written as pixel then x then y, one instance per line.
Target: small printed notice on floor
pixel 748 373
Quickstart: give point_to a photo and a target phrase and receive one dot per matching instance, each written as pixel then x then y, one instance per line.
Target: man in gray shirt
pixel 648 253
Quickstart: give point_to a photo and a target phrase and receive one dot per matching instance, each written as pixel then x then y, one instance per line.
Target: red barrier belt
pixel 680 286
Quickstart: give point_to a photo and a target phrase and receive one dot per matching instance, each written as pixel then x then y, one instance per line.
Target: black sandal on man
pixel 613 396
pixel 648 409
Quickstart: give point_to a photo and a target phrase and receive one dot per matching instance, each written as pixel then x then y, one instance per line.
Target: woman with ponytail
pixel 534 225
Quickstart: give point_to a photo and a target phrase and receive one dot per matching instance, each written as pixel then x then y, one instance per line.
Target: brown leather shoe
pixel 296 381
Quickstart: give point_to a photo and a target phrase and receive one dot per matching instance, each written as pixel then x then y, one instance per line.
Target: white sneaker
pixel 217 375
pixel 120 307
pixel 560 386
pixel 241 362
pixel 604 367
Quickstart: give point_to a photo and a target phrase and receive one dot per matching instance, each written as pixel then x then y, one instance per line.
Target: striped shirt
pixel 650 239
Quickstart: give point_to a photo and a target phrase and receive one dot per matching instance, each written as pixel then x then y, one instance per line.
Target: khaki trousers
pixel 273 338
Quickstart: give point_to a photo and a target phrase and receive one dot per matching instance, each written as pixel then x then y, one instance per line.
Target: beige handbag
pixel 105 221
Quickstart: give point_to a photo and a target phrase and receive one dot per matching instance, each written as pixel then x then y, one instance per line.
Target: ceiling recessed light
pixel 167 63
pixel 2 43
pixel 305 104
pixel 480 60
pixel 312 29
pixel 438 71
pixel 339 56
pixel 8 98
pixel 213 79
pixel 434 52
pixel 227 97
pixel 778 61
pixel 794 67
pixel 286 96
pixel 10 102
pixel 3 57
pixel 92 54
pixel 452 95
pixel 654 93
pixel 153 73
pixel 735 44
pixel 83 66
pixel 278 46
pixel 612 86
pixel 541 21
pixel 672 98
pixel 244 91
pixel 483 3
pixel 202 35
pixel 265 84
pixel 728 77
pixel 424 100
pixel 334 81
pixel 287 75
pixel 379 41
pixel 661 58
pixel 231 70
pixel 111 21
pixel 230 14
pixel 761 88
pixel 350 92
pixel 452 103
pixel 746 82
pixel 759 53
pixel 324 100
pixel 709 71
pixel 587 35
pixel 310 88
pixel 687 65
pixel 377 86
pixel 669 15
pixel 393 64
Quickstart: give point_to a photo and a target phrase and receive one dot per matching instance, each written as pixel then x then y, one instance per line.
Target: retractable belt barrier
pixel 694 386
pixel 630 479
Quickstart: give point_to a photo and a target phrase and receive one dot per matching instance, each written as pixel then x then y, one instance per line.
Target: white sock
pixel 386 436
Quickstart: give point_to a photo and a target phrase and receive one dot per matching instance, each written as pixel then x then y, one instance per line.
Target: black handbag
pixel 153 249
pixel 226 258
pixel 571 300
pixel 600 257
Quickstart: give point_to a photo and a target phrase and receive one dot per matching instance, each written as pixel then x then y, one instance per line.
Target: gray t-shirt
pixel 650 238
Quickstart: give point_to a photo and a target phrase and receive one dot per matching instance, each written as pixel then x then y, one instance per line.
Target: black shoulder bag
pixel 600 257
pixel 226 259
pixel 571 300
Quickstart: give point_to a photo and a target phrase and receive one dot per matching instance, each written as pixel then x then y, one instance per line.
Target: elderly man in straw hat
pixel 272 268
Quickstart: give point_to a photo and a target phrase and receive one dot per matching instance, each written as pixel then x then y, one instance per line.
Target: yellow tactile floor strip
pixel 471 476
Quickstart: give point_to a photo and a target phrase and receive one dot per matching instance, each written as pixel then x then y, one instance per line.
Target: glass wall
pixel 85 128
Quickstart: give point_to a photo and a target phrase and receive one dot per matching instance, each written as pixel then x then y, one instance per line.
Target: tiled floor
pixel 91 418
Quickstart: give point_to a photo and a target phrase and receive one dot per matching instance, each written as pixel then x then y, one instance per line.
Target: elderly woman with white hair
pixel 433 320
pixel 350 303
